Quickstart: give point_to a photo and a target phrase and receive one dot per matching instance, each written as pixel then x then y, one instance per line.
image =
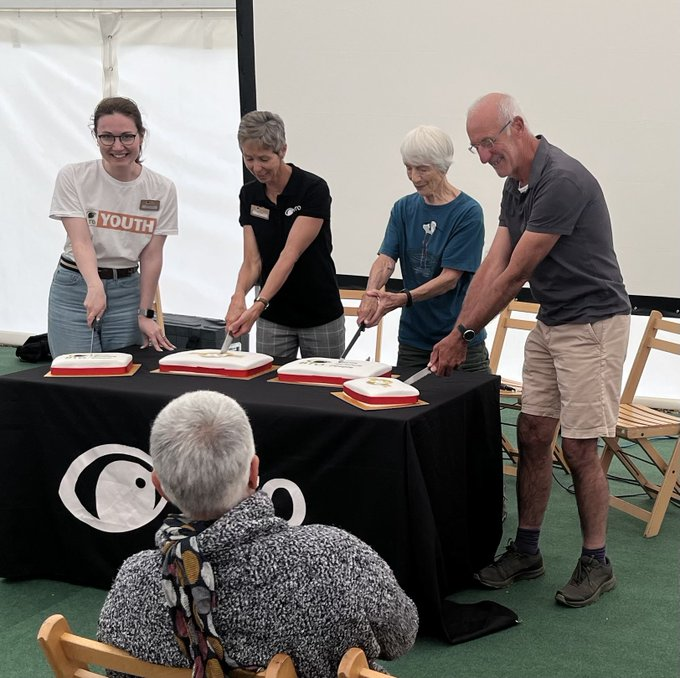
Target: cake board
pixel 368 406
pixel 129 373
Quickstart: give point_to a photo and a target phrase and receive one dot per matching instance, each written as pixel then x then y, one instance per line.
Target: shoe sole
pixel 524 574
pixel 603 588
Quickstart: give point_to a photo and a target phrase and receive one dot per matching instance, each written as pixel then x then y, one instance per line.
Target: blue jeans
pixel 67 329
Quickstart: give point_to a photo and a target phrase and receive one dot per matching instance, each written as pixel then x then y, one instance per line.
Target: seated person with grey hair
pixel 230 583
pixel 437 235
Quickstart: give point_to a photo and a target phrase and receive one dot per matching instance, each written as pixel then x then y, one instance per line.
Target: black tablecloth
pixel 422 485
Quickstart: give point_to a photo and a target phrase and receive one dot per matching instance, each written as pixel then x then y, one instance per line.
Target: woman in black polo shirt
pixel 285 215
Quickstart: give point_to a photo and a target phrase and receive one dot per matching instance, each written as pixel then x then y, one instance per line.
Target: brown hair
pixel 124 106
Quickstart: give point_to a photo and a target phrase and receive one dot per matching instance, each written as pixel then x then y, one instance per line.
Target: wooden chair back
pixel 506 321
pixel 640 425
pixel 70 656
pixel 649 342
pixel 352 311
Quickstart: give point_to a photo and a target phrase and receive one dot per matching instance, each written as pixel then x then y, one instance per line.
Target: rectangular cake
pixel 381 391
pixel 331 370
pixel 212 361
pixel 91 364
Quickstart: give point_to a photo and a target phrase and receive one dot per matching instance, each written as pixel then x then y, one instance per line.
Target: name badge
pixel 260 212
pixel 150 205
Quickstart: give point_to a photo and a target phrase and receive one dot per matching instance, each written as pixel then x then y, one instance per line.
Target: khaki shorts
pixel 573 373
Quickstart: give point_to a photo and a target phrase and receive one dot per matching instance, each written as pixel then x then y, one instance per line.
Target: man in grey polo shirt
pixel 555 232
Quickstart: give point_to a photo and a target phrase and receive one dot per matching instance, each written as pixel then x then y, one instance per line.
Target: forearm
pixel 248 276
pixel 444 282
pixel 278 275
pixel 381 272
pixel 86 260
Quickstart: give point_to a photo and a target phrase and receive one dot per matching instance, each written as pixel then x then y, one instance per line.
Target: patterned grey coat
pixel 311 591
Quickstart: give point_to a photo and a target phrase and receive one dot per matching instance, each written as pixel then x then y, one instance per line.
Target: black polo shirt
pixel 579 281
pixel 310 296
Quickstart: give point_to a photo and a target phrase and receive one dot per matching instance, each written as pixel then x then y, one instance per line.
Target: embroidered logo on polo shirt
pixel 292 210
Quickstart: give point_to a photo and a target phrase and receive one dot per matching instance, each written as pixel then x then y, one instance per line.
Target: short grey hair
pixel 201 445
pixel 428 145
pixel 264 127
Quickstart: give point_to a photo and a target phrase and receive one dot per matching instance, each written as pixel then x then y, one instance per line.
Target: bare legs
pixel 534 478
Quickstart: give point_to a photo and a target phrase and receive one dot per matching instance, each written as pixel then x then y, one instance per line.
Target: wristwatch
pixel 409 297
pixel 467 333
pixel 263 301
pixel 146 312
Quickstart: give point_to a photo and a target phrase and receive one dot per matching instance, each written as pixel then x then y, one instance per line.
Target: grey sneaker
pixel 510 566
pixel 590 580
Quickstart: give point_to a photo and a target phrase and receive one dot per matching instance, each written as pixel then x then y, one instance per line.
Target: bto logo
pixel 109 488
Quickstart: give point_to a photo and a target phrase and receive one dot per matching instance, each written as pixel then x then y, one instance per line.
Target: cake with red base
pixel 331 370
pixel 91 364
pixel 381 391
pixel 212 361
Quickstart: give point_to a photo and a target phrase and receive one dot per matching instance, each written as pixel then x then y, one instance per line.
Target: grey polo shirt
pixel 579 281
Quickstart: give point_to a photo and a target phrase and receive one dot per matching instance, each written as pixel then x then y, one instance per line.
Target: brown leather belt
pixel 104 273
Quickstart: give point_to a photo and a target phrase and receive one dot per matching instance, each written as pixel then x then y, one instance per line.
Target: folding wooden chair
pixel 511 390
pixel 355 665
pixel 352 310
pixel 638 424
pixel 70 656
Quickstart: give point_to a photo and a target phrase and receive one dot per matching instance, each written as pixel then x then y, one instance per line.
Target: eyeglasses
pixel 488 142
pixel 127 139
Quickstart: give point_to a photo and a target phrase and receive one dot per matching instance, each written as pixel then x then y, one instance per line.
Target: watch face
pixel 469 335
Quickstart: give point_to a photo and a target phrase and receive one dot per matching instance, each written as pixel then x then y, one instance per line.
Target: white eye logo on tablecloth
pixel 109 488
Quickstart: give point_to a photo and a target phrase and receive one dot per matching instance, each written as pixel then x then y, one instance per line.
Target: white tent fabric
pixel 181 68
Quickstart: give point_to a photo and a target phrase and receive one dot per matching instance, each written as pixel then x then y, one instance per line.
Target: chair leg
pixel 666 490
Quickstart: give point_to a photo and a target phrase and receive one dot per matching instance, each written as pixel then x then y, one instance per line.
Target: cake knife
pixel 228 341
pixel 418 375
pixel 362 327
pixel 96 324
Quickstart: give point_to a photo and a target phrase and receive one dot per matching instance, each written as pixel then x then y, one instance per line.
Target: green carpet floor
pixel 632 632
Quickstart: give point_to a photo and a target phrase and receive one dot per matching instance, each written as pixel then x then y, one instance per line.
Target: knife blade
pixel 96 324
pixel 228 341
pixel 418 375
pixel 362 327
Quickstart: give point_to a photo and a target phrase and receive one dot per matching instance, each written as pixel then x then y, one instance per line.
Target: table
pixel 422 485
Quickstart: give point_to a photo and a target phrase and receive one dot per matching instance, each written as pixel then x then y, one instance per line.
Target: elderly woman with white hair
pixel 437 235
pixel 230 584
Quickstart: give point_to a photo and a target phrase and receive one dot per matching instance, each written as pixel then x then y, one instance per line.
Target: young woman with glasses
pixel 117 214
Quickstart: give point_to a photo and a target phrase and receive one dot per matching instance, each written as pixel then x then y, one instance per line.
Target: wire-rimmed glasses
pixel 488 142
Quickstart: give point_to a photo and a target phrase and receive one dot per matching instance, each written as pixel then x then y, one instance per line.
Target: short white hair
pixel 428 145
pixel 201 445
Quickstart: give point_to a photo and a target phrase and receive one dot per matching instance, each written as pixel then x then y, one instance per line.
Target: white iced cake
pixel 331 370
pixel 91 364
pixel 211 361
pixel 381 391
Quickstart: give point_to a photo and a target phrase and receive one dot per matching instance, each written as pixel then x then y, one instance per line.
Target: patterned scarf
pixel 189 587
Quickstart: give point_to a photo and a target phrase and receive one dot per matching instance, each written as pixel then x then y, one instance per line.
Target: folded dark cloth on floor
pixel 467 621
